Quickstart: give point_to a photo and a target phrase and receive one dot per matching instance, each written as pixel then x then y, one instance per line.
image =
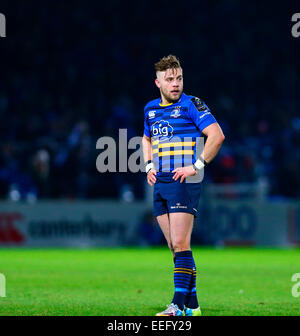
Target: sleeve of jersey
pixel 146 126
pixel 200 114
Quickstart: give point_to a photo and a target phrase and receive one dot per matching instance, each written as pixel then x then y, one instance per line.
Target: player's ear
pixel 157 83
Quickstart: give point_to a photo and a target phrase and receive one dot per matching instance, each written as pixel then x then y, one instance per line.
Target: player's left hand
pixel 183 172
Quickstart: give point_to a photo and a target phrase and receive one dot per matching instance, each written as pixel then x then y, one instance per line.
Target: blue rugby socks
pixel 191 299
pixel 183 277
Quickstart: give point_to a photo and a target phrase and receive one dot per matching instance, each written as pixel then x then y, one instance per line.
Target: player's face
pixel 170 83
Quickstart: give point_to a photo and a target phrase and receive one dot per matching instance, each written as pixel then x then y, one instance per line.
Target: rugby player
pixel 169 161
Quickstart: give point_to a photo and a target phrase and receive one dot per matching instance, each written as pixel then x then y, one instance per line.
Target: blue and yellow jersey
pixel 174 130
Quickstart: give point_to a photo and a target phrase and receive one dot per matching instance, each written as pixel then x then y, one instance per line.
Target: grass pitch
pixel 139 282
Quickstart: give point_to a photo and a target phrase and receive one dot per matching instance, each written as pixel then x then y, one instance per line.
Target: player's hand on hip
pixel 151 179
pixel 183 172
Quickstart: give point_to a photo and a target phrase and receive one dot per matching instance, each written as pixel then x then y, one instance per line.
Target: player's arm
pixel 201 116
pixel 215 138
pixel 148 160
pixel 147 148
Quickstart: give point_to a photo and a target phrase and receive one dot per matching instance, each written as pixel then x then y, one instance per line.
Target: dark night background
pixel 74 71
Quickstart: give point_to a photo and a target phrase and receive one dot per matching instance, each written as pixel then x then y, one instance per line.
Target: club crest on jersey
pixel 162 129
pixel 151 114
pixel 175 113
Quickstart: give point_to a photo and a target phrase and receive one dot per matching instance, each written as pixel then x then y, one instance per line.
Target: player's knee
pixel 180 244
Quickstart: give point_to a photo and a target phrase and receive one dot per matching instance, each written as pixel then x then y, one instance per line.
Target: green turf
pixel 131 282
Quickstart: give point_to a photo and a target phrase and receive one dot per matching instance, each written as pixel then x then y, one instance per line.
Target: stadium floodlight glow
pixel 2 25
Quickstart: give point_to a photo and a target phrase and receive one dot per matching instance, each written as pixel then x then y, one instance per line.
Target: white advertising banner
pixel 113 223
pixel 62 223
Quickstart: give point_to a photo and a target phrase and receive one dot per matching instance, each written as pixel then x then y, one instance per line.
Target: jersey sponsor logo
pixel 162 129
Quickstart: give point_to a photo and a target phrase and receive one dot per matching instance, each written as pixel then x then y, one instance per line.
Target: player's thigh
pixel 164 223
pixel 181 227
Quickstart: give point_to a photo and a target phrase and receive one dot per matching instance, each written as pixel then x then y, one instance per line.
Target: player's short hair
pixel 167 62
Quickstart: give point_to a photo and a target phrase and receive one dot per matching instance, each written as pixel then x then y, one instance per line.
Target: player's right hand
pixel 151 179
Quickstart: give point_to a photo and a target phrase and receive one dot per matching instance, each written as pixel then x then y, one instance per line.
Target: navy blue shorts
pixel 172 196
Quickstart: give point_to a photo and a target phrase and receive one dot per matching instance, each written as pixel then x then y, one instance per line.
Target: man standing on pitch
pixel 173 123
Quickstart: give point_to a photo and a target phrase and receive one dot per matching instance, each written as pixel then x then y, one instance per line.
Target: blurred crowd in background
pixel 72 74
